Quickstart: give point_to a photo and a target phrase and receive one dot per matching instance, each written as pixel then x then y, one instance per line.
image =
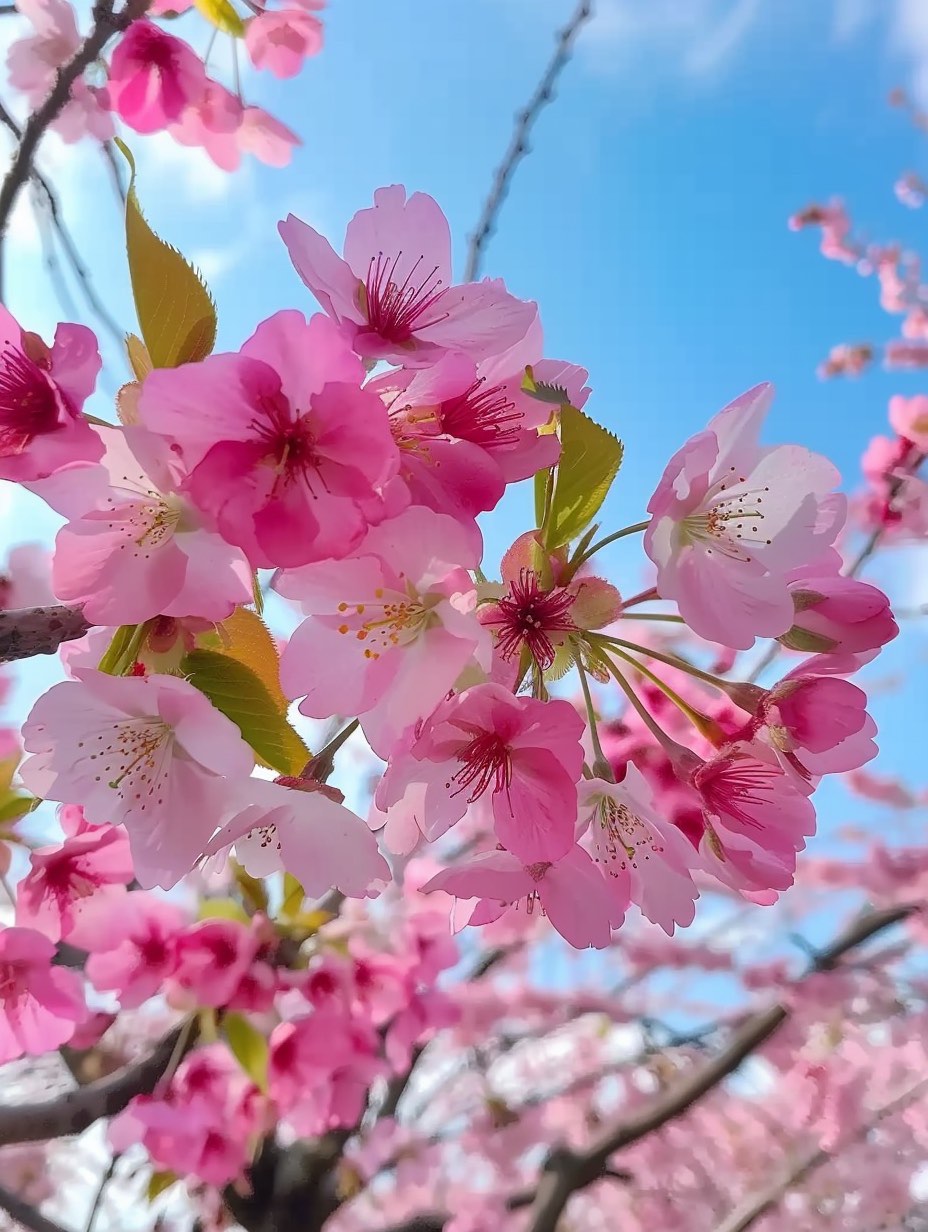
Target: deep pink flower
pixel 64 877
pixel 571 890
pixel 42 393
pixel 732 518
pixel 303 828
pixel 392 293
pixel 146 752
pixel 281 40
pixel 389 630
pixel 153 76
pixel 212 958
pixel 142 550
pixel 39 1004
pixel 644 857
pixel 525 754
pixel 836 613
pixel 286 451
pixel 133 946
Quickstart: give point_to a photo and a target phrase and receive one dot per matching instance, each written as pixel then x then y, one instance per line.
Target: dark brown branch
pixel 26 1214
pixel 106 23
pixel 76 1110
pixel 518 146
pixel 29 631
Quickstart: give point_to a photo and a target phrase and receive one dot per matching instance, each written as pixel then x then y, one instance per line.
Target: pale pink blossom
pixel 281 40
pixel 643 856
pixel 286 452
pixel 143 550
pixel 42 394
pixel 389 630
pixel 153 76
pixel 147 752
pixel 525 755
pixel 26 581
pixel 571 891
pixel 40 1004
pixel 732 518
pixel 264 136
pixel 63 878
pixel 133 946
pixel 392 293
pixel 909 417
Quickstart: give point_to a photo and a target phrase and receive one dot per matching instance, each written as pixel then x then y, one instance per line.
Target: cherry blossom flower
pixel 525 753
pixel 42 392
pixel 837 613
pixel 392 292
pixel 302 827
pixel 40 1005
pixel 63 877
pixel 286 452
pixel 389 630
pixel 731 519
pixel 143 551
pixel 571 890
pixel 281 40
pixel 909 417
pixel 26 581
pixel 212 957
pixel 133 945
pixel 153 76
pixel 645 858
pixel 146 752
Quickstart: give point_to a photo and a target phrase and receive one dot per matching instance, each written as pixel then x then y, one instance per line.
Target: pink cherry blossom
pixel 280 41
pixel 389 630
pixel 571 890
pixel 392 292
pixel 212 958
pixel 26 580
pixel 153 76
pixel 39 1004
pixel 732 518
pixel 143 550
pixel 42 393
pixel 133 946
pixel 63 877
pixel 286 452
pixel 146 752
pixel 837 613
pixel 264 136
pixel 302 827
pixel 643 856
pixel 909 417
pixel 524 753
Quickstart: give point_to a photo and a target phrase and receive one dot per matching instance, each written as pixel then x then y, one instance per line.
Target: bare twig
pixel 76 1110
pixel 25 1214
pixel 518 146
pixel 29 631
pixel 101 1190
pixel 115 171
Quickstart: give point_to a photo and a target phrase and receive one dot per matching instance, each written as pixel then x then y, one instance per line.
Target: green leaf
pixel 222 909
pixel 248 1046
pixel 294 895
pixel 176 312
pixel 158 1182
pixel 234 689
pixel 254 891
pixel 589 462
pixel 116 652
pixel 222 15
pixel 554 395
pixel 14 806
pixel 247 638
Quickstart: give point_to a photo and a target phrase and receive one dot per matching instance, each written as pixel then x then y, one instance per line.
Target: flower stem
pixel 601 767
pixel 670 660
pixel 322 764
pixel 667 617
pixel 601 543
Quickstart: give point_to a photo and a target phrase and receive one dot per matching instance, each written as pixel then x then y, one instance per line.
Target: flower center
pixel 12 982
pixel 131 758
pixel 395 310
pixel 622 838
pixel 28 407
pixel 528 616
pixel 391 619
pixel 485 761
pixel 730 520
pixel 736 789
pixel 484 416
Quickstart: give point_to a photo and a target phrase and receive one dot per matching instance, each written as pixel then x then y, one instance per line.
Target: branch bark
pixel 30 631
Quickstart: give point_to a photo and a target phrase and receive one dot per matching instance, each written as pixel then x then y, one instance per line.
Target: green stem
pixel 704 725
pixel 617 534
pixel 601 767
pixel 667 617
pixel 665 741
pixel 670 660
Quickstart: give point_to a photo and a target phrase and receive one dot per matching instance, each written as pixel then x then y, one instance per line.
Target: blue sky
pixel 649 221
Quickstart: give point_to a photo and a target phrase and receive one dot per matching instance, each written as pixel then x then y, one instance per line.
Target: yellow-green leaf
pixel 158 1182
pixel 234 689
pixel 222 909
pixel 589 462
pixel 222 15
pixel 139 359
pixel 248 1046
pixel 254 891
pixel 246 637
pixel 176 312
pixel 294 895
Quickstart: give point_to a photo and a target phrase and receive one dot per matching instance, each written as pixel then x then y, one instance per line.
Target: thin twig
pixel 518 146
pixel 101 1190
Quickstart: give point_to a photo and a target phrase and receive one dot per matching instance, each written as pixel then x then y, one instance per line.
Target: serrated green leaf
pixel 247 638
pixel 158 1182
pixel 542 391
pixel 234 689
pixel 222 15
pixel 177 316
pixel 589 462
pixel 139 359
pixel 248 1046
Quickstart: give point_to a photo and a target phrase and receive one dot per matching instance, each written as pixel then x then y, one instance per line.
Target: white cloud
pixel 709 54
pixel 850 17
pixel 909 37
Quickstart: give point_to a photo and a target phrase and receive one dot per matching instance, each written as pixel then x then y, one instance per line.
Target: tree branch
pixel 76 1110
pixel 26 1214
pixel 30 631
pixel 518 145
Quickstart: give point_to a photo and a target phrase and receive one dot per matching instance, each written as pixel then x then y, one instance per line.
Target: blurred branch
pixel 29 631
pixel 76 1110
pixel 115 171
pixel 518 145
pixel 106 23
pixel 25 1214
pixel 101 1190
